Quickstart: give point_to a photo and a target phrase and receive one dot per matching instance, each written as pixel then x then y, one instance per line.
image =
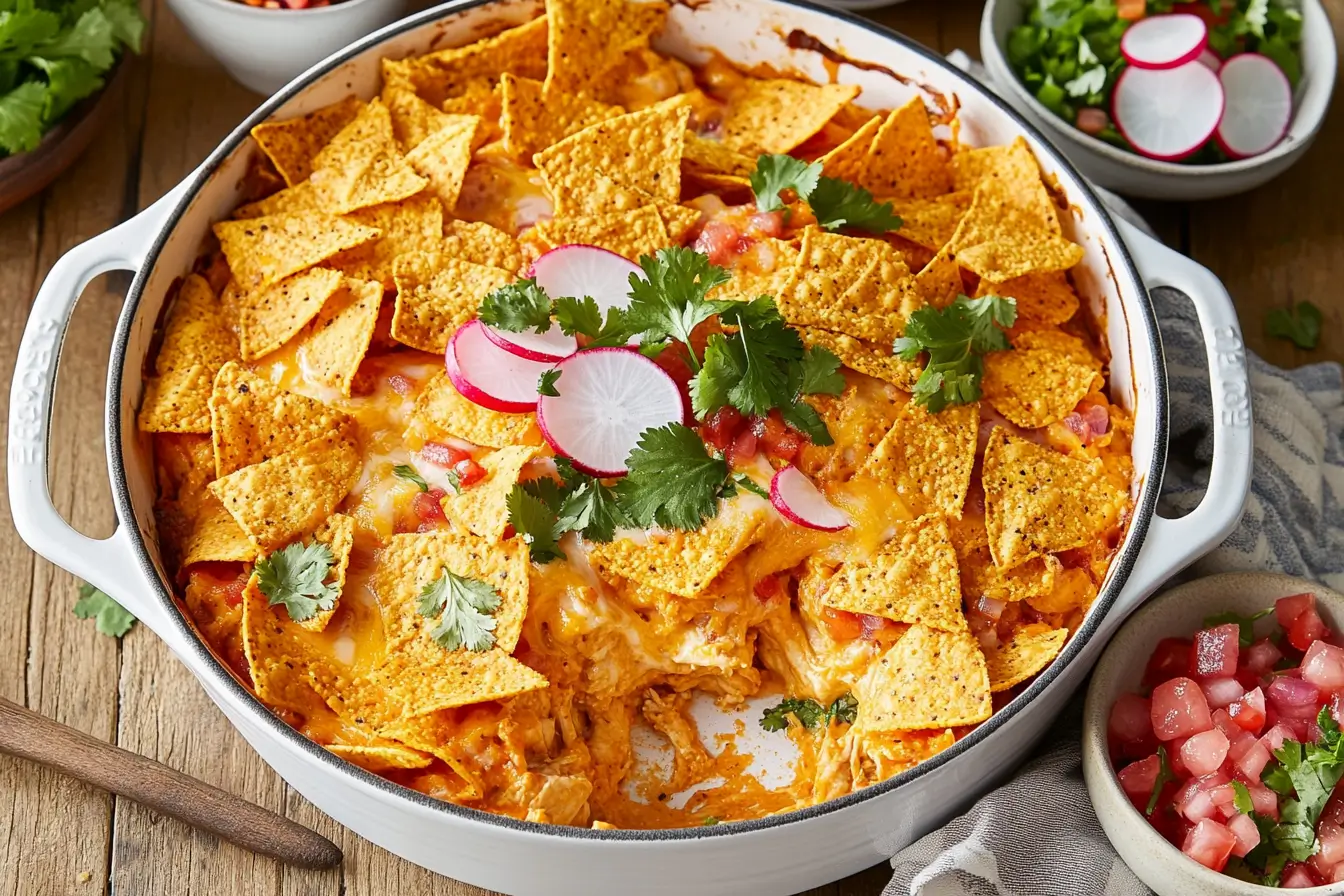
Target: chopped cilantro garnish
pixel 709 821
pixel 810 713
pixel 464 608
pixel 776 173
pixel 1301 324
pixel 673 481
pixel 1241 798
pixel 1164 775
pixel 109 617
pixel 294 576
pixel 955 337
pixel 1246 624
pixel 546 383
pixel 518 306
pixel 535 522
pixel 671 298
pixel 409 473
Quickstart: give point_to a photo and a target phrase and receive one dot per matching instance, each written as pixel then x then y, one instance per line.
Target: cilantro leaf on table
pixel 464 608
pixel 410 474
pixel 955 337
pixel 671 298
pixel 1164 776
pixel 593 511
pixel 109 617
pixel 535 522
pixel 1246 624
pixel 809 713
pixel 295 576
pixel 673 481
pixel 776 173
pixel 1301 324
pixel 517 306
pixel 838 203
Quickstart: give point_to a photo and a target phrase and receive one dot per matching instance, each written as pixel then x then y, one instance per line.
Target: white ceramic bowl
pixel 1132 174
pixel 1179 612
pixel 265 49
pixel 779 854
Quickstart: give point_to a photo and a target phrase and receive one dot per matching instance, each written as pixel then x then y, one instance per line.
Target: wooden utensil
pixel 30 736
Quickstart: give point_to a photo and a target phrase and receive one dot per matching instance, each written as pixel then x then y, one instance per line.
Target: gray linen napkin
pixel 1037 835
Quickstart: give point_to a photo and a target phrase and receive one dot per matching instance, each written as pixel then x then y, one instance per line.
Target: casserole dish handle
pixel 109 563
pixel 1172 544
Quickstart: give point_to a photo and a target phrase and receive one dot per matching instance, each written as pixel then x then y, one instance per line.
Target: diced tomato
pixel 1215 652
pixel 1337 707
pixel 468 472
pixel 427 508
pixel 442 455
pixel 719 241
pixel 1307 628
pixel 1293 697
pixel 1330 836
pixel 1171 657
pixel 1243 827
pixel 233 591
pixel 1287 609
pixel 1209 844
pixel 1261 657
pixel 1138 778
pixel 1223 722
pixel 1253 760
pixel 1297 877
pixel 776 438
pixel 1179 709
pixel 721 427
pixel 1323 666
pixel 1195 799
pixel 878 628
pixel 1131 727
pixel 1334 807
pixel 400 384
pixel 1131 10
pixel 1273 738
pixel 1249 711
pixel 1203 753
pixel 842 624
pixel 674 363
pixel 770 588
pixel 743 449
pixel 1263 800
pixel 1090 121
pixel 1222 692
pixel 766 224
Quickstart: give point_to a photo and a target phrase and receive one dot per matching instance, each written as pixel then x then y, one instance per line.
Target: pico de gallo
pixel 1233 748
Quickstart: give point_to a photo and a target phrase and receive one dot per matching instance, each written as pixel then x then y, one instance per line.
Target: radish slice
pixel 1210 59
pixel 487 375
pixel 1259 105
pixel 1161 42
pixel 1167 114
pixel 801 502
pixel 550 346
pixel 608 398
pixel 578 270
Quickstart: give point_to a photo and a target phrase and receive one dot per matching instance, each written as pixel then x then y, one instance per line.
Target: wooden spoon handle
pixel 26 734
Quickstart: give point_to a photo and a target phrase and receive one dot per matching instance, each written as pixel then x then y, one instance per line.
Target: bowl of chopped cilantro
pixel 56 59
pixel 1165 99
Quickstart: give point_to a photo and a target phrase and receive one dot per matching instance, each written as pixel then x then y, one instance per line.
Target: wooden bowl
pixel 30 172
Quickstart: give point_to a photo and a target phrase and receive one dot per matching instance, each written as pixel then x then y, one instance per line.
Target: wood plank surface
pixel 1276 245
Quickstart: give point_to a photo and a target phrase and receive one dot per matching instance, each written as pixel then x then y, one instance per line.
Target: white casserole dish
pixel 781 854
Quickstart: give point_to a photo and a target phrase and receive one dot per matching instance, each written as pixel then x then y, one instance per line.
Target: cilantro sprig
pixel 464 608
pixel 672 297
pixel 109 617
pixel 776 173
pixel 542 510
pixel 836 203
pixel 674 482
pixel 955 337
pixel 295 576
pixel 517 306
pixel 1300 325
pixel 809 713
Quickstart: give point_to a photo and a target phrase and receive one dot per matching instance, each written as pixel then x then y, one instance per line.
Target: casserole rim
pixel 1145 507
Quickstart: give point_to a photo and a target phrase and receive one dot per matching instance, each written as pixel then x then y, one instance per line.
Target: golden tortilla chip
pixel 197 341
pixel 1038 501
pixel 277 658
pixel 338 534
pixel 413 119
pixel 264 251
pixel 867 358
pixel 425 683
pixel 1035 387
pixel 178 401
pixel 335 343
pixel 679 220
pixel 296 200
pixel 291 494
pixel 928 679
pixel 931 223
pixel 1060 342
pixel 480 243
pixel 981 578
pixel 631 234
pixel 704 156
pixel 856 286
pixel 1045 298
pixel 436 294
pixel 589 37
pixel 457 72
pixel 928 457
pixel 253 420
pixel 443 156
pixel 904 160
pixel 483 509
pixel 999 240
pixel 410 226
pixel 271 317
pixel 912 578
pixel 363 165
pixel 641 150
pixel 292 144
pixel 379 759
pixel 1014 170
pixel 939 283
pixel 440 410
pixel 683 563
pixel 480 96
pixel 532 119
pixel 214 536
pixel 1023 655
pixel 774 116
pixel 847 160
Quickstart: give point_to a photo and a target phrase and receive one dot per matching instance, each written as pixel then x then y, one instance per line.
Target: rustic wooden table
pixel 1280 244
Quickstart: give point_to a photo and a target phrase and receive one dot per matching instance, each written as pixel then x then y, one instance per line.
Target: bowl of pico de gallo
pixel 1212 746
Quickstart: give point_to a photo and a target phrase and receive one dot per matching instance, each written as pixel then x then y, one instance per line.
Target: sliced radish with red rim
pixel 1162 42
pixel 1259 105
pixel 1167 114
pixel 1210 60
pixel 489 376
pixel 799 501
pixel 608 398
pixel 578 270
pixel 550 346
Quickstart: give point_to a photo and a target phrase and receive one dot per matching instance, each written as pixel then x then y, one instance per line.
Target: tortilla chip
pixel 440 410
pixel 410 226
pixel 912 578
pixel 379 759
pixel 296 200
pixel 445 74
pixel 443 156
pixel 338 534
pixel 1035 387
pixel 363 165
pixel 533 120
pixel 197 341
pixel 1023 655
pixel 334 345
pixel 1060 342
pixel 413 119
pixel 178 401
pixel 683 563
pixel 1014 169
pixel 214 536
pixel 679 220
pixel 264 251
pixel 928 679
pixel 847 160
pixel 867 358
pixel 436 294
pixel 292 144
pixel 641 150
pixel 480 243
pixel 411 561
pixel 856 286
pixel 424 683
pixel 1045 298
pixel 1038 501
pixel 704 156
pixel 931 223
pixel 271 317
pixel 590 37
pixel 774 116
pixel 277 658
pixel 483 509
pixel 928 457
pixel 939 283
pixel 631 234
pixel 253 420
pixel 480 96
pixel 904 160
pixel 981 578
pixel 999 240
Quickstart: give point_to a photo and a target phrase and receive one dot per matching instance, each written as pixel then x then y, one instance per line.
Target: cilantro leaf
pixel 547 491
pixel 776 173
pixel 804 418
pixel 821 373
pixel 1164 775
pixel 838 203
pixel 593 510
pixel 670 300
pixel 21 123
pixel 746 483
pixel 90 39
pixel 1301 325
pixel 464 608
pixel 409 473
pixel 709 821
pixel 673 481
pixel 845 708
pixel 109 617
pixel 1246 624
pixel 517 306
pixel 1241 798
pixel 294 576
pixel 536 524
pixel 546 382
pixel 576 315
pixel 809 713
pixel 955 337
